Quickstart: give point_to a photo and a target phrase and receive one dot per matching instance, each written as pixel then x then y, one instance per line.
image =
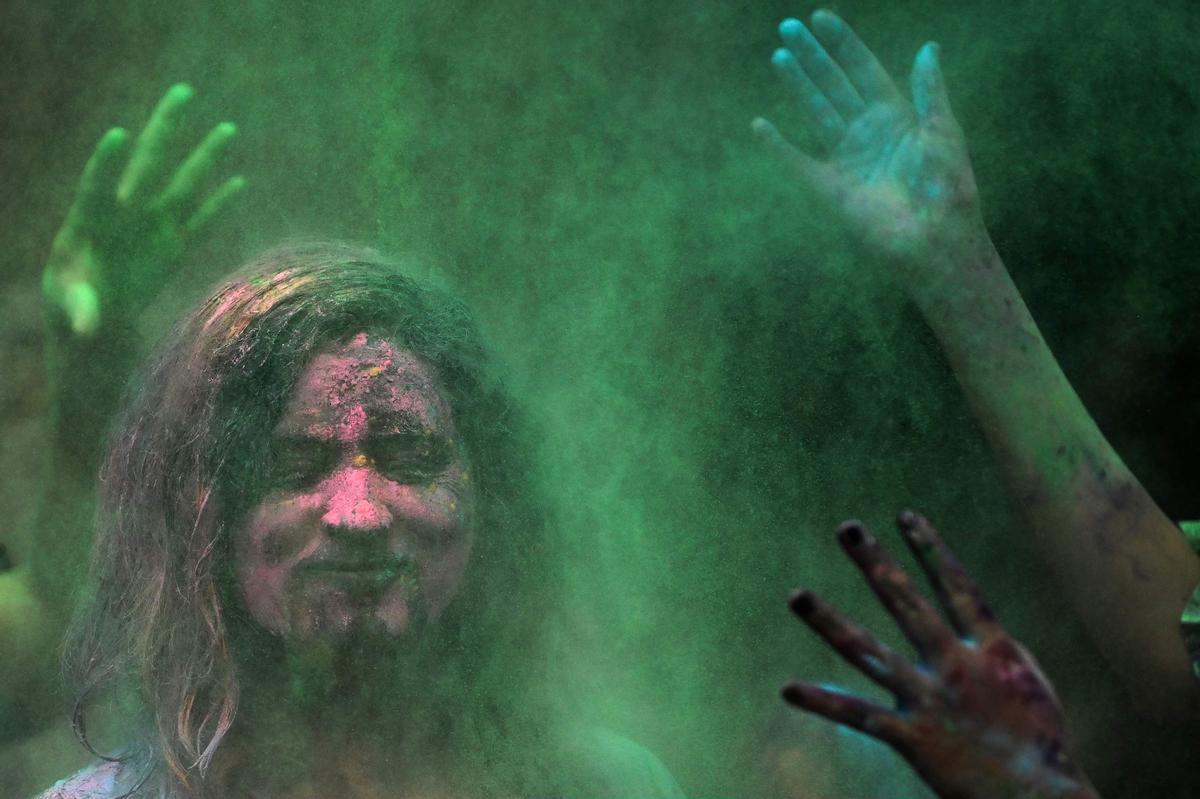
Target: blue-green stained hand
pixel 897 172
pixel 135 211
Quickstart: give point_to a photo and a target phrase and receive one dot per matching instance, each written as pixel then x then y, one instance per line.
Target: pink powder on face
pixel 332 394
pixel 353 504
pixel 350 396
pixel 353 425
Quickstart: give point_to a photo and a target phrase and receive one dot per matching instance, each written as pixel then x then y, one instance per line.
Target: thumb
pixel 82 306
pixel 929 86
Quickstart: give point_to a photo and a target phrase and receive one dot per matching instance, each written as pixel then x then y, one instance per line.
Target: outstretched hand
pixel 896 172
pixel 133 216
pixel 974 714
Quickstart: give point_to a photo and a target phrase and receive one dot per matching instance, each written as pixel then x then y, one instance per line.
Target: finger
pixel 917 619
pixel 81 304
pixel 214 205
pixel 147 162
pixel 808 169
pixel 929 86
pixel 824 71
pixel 198 166
pixel 862 68
pixel 97 187
pixel 829 123
pixel 852 711
pixel 958 593
pixel 859 647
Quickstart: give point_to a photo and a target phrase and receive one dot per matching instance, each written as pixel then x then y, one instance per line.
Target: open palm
pixel 974 714
pixel 896 172
pixel 132 218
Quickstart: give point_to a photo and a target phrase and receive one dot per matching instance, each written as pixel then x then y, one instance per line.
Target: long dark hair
pixel 180 473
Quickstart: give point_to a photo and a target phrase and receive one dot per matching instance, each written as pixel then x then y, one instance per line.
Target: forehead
pixel 365 382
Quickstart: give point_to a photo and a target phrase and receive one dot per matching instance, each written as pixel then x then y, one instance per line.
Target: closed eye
pixel 412 459
pixel 297 464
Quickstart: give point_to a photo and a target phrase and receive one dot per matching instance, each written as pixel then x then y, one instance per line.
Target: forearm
pixel 1125 566
pixel 86 375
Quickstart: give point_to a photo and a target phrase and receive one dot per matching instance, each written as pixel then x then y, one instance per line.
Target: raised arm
pixel 897 175
pixel 134 214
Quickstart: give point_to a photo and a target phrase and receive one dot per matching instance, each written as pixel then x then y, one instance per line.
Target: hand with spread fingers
pixel 135 211
pixel 896 172
pixel 974 714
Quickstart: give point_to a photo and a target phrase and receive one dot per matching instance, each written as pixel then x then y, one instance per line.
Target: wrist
pixel 965 293
pixel 958 264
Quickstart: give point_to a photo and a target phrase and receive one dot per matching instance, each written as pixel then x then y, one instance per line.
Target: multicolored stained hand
pixel 974 714
pixel 133 216
pixel 896 173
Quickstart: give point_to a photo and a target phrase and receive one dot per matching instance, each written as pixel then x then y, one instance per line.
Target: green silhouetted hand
pixel 896 172
pixel 134 213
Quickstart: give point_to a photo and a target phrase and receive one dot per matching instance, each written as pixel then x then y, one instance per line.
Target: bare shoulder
pixel 612 765
pixel 103 780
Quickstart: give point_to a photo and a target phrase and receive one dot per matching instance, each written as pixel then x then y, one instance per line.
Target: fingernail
pixel 790 27
pixel 906 520
pixel 792 694
pixel 227 128
pixel 851 533
pixel 181 91
pixel 780 57
pixel 929 55
pixel 830 20
pixel 802 602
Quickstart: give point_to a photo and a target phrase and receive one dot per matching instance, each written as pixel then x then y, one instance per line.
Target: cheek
pixel 276 536
pixel 441 575
pixel 444 516
pixel 278 530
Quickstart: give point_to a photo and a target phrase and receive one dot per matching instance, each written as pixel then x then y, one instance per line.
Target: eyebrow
pixel 400 425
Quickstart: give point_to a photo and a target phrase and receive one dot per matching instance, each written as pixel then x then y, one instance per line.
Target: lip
pixel 373 569
pixel 362 577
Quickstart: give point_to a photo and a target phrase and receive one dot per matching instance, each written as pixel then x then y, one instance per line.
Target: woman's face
pixel 365 524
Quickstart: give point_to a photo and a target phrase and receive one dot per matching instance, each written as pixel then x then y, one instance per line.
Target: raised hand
pixel 974 714
pixel 133 216
pixel 896 172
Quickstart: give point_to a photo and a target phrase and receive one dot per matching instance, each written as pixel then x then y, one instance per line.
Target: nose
pixel 351 505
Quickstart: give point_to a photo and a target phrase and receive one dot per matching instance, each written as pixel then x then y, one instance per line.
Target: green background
pixel 718 382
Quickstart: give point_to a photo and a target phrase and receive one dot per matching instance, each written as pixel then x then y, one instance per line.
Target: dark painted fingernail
pixel 852 533
pixel 802 602
pixel 906 520
pixel 791 693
